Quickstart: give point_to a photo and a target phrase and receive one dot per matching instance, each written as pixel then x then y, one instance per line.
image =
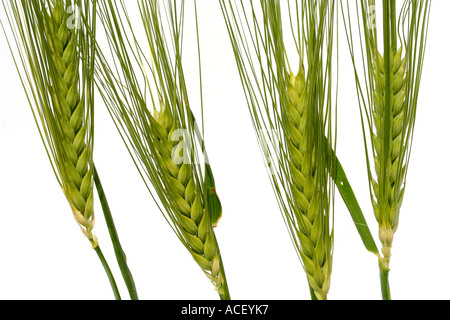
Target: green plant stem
pixel 108 272
pixel 120 255
pixel 226 291
pixel 384 279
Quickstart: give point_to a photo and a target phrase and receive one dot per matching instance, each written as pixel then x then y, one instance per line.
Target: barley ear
pixel 306 188
pixel 70 112
pixel 55 61
pixel 291 114
pixel 388 89
pixel 151 111
pixel 187 201
pixel 388 187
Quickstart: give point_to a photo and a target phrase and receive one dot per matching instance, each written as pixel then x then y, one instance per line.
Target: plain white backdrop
pixel 45 256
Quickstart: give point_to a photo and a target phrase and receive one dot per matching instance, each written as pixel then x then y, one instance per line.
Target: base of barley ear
pixel 386 235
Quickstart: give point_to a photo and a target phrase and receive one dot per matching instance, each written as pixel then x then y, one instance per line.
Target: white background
pixel 45 256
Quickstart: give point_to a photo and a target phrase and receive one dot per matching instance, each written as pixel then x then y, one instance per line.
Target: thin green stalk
pixel 384 280
pixel 225 295
pixel 120 254
pixel 108 272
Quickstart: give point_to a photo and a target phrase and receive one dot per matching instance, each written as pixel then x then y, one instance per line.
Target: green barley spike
pixel 306 189
pixel 186 199
pixel 69 112
pixel 387 205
